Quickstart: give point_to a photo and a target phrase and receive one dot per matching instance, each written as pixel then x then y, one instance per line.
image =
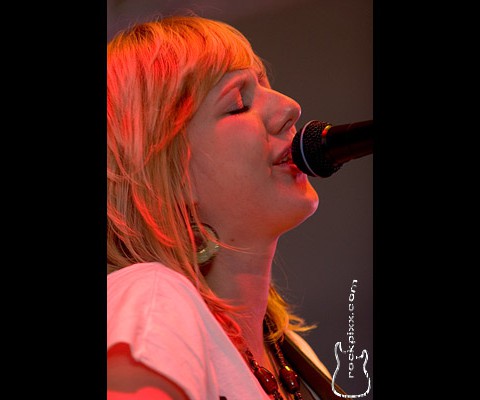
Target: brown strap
pixel 309 372
pixel 305 391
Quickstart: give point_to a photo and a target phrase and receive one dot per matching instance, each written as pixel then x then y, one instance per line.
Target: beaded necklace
pixel 288 377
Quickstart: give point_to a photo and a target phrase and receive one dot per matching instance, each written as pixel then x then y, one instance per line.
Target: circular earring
pixel 206 249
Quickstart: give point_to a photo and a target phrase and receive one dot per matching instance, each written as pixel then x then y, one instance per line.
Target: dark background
pixel 321 54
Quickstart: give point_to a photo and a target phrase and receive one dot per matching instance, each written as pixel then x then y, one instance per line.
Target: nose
pixel 282 114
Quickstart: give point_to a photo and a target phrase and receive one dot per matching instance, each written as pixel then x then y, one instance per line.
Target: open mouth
pixel 286 158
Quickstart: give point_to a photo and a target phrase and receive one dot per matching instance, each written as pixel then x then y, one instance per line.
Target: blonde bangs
pixel 207 50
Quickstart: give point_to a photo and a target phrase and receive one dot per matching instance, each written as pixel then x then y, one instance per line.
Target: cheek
pixel 224 175
pixel 229 161
pixel 225 168
pixel 234 152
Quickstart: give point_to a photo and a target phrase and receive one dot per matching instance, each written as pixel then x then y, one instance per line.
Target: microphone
pixel 320 149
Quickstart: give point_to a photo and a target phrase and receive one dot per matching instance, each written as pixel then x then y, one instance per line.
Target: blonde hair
pixel 158 73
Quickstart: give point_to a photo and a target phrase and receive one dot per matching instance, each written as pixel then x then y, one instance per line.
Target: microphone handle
pixel 347 142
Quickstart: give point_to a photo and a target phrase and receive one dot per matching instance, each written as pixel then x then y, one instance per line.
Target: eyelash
pixel 239 110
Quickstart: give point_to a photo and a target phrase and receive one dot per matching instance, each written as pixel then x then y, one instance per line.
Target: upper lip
pixel 284 156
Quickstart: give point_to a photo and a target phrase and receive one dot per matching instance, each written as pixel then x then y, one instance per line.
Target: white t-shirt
pixel 169 328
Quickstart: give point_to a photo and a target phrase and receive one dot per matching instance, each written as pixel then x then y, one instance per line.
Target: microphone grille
pixel 308 154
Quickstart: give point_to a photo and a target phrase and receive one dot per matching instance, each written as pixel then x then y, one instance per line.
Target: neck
pixel 243 279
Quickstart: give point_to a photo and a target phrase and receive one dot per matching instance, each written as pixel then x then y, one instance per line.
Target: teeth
pixel 286 158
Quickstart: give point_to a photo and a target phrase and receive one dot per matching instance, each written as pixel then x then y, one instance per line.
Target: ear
pixel 191 194
pixel 190 189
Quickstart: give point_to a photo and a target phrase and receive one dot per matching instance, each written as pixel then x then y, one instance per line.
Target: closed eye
pixel 239 110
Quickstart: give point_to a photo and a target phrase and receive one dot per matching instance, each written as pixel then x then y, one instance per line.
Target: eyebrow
pixel 238 81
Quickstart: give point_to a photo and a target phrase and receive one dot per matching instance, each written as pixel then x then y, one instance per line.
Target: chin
pixel 309 200
pixel 308 211
pixel 300 210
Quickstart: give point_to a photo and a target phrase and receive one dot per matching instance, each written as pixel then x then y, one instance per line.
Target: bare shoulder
pixel 309 352
pixel 128 379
